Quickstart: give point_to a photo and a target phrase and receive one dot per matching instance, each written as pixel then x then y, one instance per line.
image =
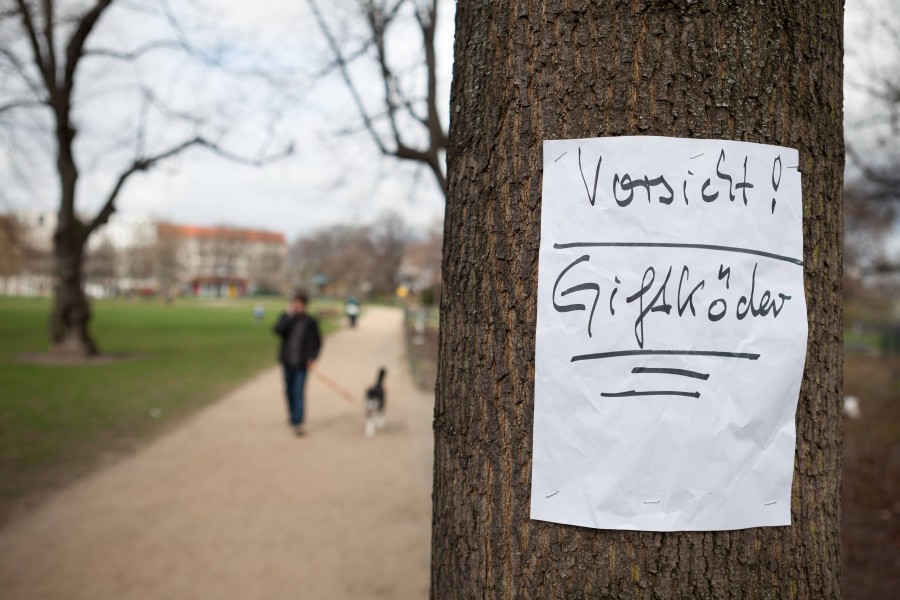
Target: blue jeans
pixel 294 382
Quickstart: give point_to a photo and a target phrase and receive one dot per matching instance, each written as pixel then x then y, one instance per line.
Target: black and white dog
pixel 375 418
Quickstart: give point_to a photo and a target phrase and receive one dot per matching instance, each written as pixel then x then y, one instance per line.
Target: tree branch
pixel 39 59
pixel 378 17
pixel 378 22
pixel 22 71
pixel 49 39
pixel 137 52
pixel 345 75
pixel 349 58
pixel 141 164
pixel 21 104
pixel 8 13
pixel 428 25
pixel 75 48
pixel 887 180
pixel 147 162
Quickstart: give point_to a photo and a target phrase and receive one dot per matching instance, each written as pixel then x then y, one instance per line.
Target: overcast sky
pixel 331 178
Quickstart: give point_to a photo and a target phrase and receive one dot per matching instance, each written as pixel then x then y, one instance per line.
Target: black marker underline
pixel 597 355
pixel 631 393
pixel 789 259
pixel 663 371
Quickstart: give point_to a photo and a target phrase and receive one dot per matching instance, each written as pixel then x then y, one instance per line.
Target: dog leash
pixel 335 386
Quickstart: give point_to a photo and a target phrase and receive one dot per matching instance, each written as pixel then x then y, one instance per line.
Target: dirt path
pixel 233 505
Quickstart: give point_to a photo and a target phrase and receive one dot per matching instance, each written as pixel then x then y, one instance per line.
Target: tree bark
pixel 526 71
pixel 71 311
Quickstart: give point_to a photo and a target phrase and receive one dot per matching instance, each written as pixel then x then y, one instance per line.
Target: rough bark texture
pixel 528 71
pixel 71 311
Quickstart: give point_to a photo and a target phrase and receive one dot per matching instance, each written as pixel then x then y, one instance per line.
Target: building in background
pixel 225 261
pixel 28 246
pixel 135 255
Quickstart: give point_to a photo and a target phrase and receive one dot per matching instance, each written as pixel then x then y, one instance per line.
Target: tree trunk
pixel 529 71
pixel 71 311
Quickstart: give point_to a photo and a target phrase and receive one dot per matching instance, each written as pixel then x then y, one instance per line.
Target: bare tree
pixel 342 256
pixel 354 260
pixel 47 49
pixel 406 125
pixel 390 237
pixel 872 194
pixel 867 222
pixel 873 129
pixel 268 269
pixel 168 264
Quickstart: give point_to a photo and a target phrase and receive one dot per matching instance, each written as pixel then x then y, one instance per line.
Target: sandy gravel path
pixel 233 505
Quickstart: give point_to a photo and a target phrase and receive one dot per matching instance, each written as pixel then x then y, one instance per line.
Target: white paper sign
pixel 671 334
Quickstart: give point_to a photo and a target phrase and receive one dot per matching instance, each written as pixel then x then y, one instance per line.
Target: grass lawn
pixel 57 421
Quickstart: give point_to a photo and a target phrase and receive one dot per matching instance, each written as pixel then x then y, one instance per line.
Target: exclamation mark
pixel 776 178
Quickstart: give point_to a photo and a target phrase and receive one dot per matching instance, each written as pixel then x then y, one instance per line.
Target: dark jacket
pixel 300 340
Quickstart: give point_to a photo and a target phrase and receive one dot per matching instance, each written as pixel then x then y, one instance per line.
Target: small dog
pixel 375 418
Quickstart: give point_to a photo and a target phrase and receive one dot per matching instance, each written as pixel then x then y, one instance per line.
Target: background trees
pixel 404 121
pixel 357 260
pixel 62 60
pixel 525 72
pixel 872 126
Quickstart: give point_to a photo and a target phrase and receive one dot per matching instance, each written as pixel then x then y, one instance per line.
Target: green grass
pixel 181 356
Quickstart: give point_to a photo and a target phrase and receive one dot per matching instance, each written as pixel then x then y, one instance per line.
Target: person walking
pixel 300 346
pixel 352 311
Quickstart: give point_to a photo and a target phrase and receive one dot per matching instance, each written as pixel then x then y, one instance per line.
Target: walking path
pixel 233 505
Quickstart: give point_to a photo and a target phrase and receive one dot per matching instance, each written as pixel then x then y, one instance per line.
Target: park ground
pixel 231 504
pixel 115 439
pixel 58 422
pixel 870 529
